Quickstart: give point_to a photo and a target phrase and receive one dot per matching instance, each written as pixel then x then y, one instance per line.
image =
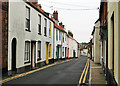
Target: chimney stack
pixel 39 5
pixel 55 15
pixel 60 24
pixel 63 26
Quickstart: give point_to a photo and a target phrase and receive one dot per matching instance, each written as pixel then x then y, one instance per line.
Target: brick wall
pixel 4 41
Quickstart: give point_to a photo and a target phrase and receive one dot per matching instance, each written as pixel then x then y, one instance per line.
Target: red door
pixel 65 52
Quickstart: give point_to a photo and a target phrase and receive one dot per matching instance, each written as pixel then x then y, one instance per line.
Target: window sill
pixel 27 30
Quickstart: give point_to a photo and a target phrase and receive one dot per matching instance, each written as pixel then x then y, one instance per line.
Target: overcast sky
pixel 78 16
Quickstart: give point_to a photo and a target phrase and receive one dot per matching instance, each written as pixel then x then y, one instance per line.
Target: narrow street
pixel 60 42
pixel 64 73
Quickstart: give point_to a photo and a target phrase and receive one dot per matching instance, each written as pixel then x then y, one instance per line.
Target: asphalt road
pixel 64 73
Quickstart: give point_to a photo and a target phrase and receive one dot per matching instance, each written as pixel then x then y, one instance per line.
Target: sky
pixel 78 16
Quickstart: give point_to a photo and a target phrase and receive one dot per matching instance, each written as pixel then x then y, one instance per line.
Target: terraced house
pixel 32 37
pixel 113 10
pixel 65 46
pixel 58 41
pixel 29 36
pixel 110 40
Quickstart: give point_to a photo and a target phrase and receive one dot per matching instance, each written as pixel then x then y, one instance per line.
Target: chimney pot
pixel 63 26
pixel 55 15
pixel 39 5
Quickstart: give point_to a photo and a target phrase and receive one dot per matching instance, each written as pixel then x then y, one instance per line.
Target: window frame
pixel 63 37
pixel 59 35
pixel 27 19
pixel 28 52
pixel 45 27
pixel 50 29
pixel 39 25
pixel 39 50
pixel 56 35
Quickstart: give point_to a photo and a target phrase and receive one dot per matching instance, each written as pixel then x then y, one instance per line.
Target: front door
pixel 74 53
pixel 47 60
pixel 13 54
pixel 65 52
pixel 33 54
pixel 57 52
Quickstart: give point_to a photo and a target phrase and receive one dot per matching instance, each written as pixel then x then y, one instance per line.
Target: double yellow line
pixel 84 73
pixel 24 74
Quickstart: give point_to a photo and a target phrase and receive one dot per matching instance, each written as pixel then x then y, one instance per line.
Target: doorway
pixel 74 54
pixel 33 53
pixel 57 52
pixel 47 60
pixel 65 52
pixel 13 63
pixel 112 19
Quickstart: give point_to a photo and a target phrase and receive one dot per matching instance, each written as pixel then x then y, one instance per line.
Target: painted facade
pixel 75 48
pixel 29 29
pixel 109 41
pixel 33 38
pixel 104 37
pixel 96 41
pixel 113 9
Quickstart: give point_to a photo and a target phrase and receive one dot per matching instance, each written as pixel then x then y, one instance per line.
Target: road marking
pixel 90 75
pixel 24 74
pixel 83 72
pixel 86 72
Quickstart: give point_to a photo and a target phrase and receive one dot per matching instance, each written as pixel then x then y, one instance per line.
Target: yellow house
pixel 114 40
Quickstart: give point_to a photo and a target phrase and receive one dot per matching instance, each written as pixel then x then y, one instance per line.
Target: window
pixel 59 35
pixel 50 51
pixel 39 25
pixel 56 35
pixel 63 37
pixel 39 50
pixel 27 52
pixel 27 19
pixel 50 29
pixel 45 28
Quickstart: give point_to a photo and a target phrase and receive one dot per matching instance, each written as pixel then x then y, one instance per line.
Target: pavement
pixel 97 76
pixel 67 73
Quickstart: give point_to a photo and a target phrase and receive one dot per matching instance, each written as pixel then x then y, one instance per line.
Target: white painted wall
pixel 17 30
pixel 114 7
pixel 97 43
pixel 70 47
pixel 75 47
pixel 57 42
